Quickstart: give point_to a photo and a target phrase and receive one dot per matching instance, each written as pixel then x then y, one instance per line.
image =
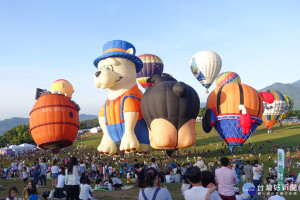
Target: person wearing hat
pixel 117 68
pixel 201 165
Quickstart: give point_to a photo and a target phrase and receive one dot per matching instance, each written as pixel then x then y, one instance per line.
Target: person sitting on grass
pixel 12 193
pixel 151 191
pixel 85 190
pixel 116 183
pixel 193 174
pixel 207 179
pixel 129 179
pixel 30 192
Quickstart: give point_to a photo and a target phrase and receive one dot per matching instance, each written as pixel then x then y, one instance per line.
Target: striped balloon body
pixel 205 66
pixel 152 65
pixel 225 100
pixel 227 77
pixel 288 108
pixel 274 110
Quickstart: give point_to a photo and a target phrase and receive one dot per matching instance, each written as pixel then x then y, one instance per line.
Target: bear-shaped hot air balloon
pixel 54 119
pixel 235 111
pixel 124 129
pixel 170 109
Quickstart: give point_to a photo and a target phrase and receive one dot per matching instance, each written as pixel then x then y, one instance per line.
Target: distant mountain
pixel 8 124
pixel 83 117
pixel 202 105
pixel 290 89
pixel 11 123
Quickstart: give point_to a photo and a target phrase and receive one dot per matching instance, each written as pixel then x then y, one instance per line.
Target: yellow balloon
pixel 62 86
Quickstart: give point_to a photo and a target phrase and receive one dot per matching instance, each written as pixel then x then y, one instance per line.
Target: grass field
pixel 289 135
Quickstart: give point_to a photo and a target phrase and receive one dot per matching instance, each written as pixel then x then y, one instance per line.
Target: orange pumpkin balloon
pixel 54 122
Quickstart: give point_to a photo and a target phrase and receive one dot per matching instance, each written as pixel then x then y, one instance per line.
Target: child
pixel 25 176
pixel 185 185
pixel 98 182
pixel 12 193
pixel 129 179
pixel 86 190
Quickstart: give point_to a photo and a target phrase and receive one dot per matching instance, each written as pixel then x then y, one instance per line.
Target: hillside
pixel 290 89
pixel 8 124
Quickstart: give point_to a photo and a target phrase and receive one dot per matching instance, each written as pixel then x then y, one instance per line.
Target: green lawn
pixel 289 135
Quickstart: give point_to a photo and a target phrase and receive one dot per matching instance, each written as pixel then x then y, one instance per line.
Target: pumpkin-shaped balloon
pixel 289 106
pixel 54 122
pixel 152 65
pixel 227 77
pixel 235 111
pixel 274 110
pixel 205 66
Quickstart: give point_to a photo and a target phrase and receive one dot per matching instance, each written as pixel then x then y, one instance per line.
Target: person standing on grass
pixel 247 172
pixel 141 172
pixel 151 191
pixel 25 176
pixel 73 179
pixel 54 173
pixel 193 175
pixel 12 193
pixel 225 179
pixel 44 171
pixel 36 171
pixel 256 171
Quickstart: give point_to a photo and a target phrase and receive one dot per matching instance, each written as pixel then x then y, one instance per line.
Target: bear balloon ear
pixel 130 51
pixel 267 97
pixel 179 89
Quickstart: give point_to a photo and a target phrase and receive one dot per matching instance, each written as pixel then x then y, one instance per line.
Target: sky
pixel 42 41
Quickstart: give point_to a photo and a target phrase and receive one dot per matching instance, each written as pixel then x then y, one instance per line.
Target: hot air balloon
pixel 170 109
pixel 152 65
pixel 274 110
pixel 235 111
pixel 54 120
pixel 205 66
pixel 62 86
pixel 289 106
pixel 227 77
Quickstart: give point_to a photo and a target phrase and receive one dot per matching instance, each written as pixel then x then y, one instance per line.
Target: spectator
pixel 25 176
pixel 238 173
pixel 73 179
pixel 85 190
pixel 141 176
pixel 12 193
pixel 209 178
pixel 54 173
pixel 247 172
pixel 60 187
pixel 177 177
pixel 30 191
pixel 43 173
pixel 116 183
pixel 185 185
pixel 256 171
pixel 225 179
pixel 154 164
pixel 36 171
pixel 168 178
pixel 199 192
pixel 151 191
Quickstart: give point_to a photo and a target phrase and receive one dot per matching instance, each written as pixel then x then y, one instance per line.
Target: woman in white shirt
pixel 85 190
pixel 54 174
pixel 73 179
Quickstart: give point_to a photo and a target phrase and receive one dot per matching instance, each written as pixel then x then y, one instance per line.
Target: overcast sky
pixel 42 41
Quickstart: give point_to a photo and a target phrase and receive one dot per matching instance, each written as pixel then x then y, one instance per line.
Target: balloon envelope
pixel 227 77
pixel 273 111
pixel 152 65
pixel 289 106
pixel 205 66
pixel 225 102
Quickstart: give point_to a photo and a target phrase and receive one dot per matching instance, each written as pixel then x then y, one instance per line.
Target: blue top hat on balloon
pixel 118 48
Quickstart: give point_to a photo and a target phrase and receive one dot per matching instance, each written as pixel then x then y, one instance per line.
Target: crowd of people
pixel 84 170
pixel 77 177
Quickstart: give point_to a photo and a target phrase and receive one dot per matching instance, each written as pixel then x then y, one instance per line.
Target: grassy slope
pixel 288 136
